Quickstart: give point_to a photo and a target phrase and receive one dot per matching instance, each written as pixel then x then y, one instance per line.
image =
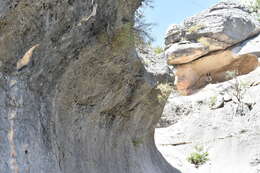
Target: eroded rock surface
pixel 213 68
pixel 214 118
pixel 221 114
pixel 216 28
pixel 84 101
pixel 208 45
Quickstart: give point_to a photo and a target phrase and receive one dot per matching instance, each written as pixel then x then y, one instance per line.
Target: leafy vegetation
pixel 238 91
pixel 131 32
pixel 212 101
pixel 165 90
pixel 123 37
pixel 195 28
pixel 199 157
pixel 142 28
pixel 158 50
pixel 256 5
pixel 204 41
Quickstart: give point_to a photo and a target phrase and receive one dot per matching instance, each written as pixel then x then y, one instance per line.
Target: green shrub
pixel 142 29
pixel 158 50
pixel 256 5
pixel 195 28
pixel 212 101
pixel 238 90
pixel 204 41
pixel 199 157
pixel 165 90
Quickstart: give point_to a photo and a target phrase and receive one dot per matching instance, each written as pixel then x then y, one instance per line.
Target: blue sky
pixel 167 12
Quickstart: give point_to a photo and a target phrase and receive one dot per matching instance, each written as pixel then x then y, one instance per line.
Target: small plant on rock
pixel 142 28
pixel 195 28
pixel 158 50
pixel 238 91
pixel 165 90
pixel 137 142
pixel 205 41
pixel 199 157
pixel 212 101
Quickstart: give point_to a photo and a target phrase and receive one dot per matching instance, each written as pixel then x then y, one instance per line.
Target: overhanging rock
pixel 208 45
pixel 214 68
pixel 82 102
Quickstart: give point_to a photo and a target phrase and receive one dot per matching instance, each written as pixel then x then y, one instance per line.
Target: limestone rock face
pixel 213 118
pixel 184 52
pixel 156 66
pixel 213 68
pixel 221 114
pixel 84 102
pixel 219 27
pixel 218 40
pixel 250 46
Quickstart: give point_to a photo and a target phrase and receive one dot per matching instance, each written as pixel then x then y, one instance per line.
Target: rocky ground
pixel 215 129
pixel 214 119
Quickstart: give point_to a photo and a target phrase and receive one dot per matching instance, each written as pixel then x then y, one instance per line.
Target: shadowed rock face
pixel 84 101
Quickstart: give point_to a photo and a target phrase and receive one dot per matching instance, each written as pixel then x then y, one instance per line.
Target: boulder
pixel 156 65
pixel 216 28
pixel 185 52
pixel 174 34
pixel 205 47
pixel 250 46
pixel 213 68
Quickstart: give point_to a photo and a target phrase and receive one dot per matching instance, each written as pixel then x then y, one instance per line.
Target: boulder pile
pixel 205 48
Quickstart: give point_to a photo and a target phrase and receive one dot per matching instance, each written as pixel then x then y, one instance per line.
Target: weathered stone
pixel 174 34
pixel 250 46
pixel 216 102
pixel 217 28
pixel 227 97
pixel 213 68
pixel 231 139
pixel 222 118
pixel 156 66
pixel 86 104
pixel 26 59
pixel 184 52
pixel 225 22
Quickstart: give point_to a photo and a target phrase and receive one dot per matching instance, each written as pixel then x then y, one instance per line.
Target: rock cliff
pixel 74 95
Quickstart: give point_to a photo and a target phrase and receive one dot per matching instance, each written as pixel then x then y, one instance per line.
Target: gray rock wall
pixel 82 100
